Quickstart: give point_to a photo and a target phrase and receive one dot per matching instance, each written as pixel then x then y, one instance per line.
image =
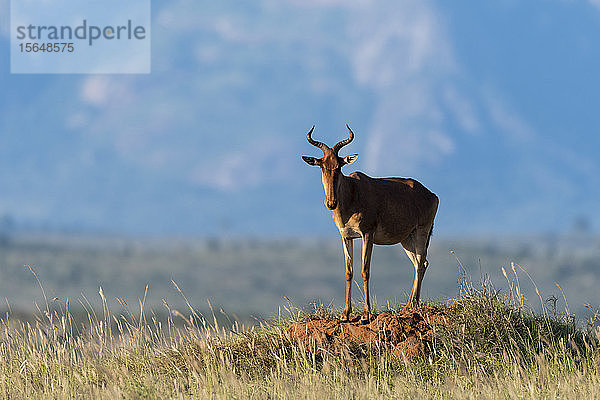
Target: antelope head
pixel 331 166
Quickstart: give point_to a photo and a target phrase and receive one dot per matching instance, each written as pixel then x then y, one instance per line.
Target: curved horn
pixel 320 145
pixel 341 144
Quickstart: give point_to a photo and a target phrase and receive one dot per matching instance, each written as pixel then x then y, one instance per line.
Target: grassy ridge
pixel 251 277
pixel 493 348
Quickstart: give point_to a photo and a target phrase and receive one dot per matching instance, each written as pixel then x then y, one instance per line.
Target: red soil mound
pixel 408 332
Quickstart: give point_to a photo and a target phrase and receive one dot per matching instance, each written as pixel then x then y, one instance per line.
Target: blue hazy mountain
pixel 492 106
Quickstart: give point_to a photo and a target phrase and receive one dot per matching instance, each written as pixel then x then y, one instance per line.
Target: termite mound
pixel 409 333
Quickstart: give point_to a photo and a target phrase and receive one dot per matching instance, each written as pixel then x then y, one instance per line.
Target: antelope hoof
pixel 365 319
pixel 345 317
pixel 411 305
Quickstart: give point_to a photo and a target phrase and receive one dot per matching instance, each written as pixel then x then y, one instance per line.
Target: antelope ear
pixel 311 161
pixel 350 159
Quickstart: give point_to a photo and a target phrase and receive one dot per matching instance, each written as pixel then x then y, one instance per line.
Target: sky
pixel 491 105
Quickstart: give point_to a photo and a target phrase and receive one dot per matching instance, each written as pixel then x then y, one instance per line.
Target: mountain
pixel 491 106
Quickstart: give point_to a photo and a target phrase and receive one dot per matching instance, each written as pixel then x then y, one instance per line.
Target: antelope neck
pixel 345 194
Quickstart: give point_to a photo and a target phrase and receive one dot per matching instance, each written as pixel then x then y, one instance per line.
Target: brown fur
pixel 382 211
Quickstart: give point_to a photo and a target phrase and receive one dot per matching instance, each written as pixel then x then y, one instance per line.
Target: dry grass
pixel 493 348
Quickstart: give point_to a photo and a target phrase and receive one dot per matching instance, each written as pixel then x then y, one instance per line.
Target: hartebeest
pixel 382 211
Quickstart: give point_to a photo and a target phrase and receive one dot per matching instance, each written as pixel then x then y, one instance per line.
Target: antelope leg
pixel 348 251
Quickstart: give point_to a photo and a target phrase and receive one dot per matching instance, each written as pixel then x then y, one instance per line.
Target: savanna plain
pixel 212 318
